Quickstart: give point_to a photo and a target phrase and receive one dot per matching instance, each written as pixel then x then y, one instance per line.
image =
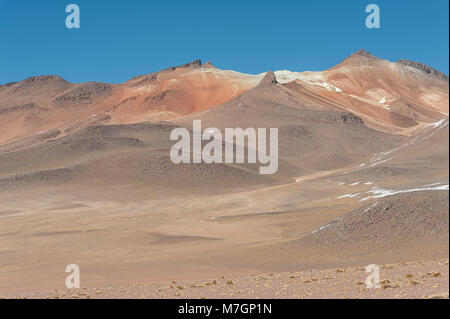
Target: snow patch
pixel 320 228
pixel 371 206
pixel 313 78
pixel 349 195
pixel 379 162
pixel 438 124
pixel 380 193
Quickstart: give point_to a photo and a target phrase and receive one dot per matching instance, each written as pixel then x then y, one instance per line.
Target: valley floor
pixel 422 279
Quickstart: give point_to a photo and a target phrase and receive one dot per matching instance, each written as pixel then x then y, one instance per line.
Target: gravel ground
pixel 408 280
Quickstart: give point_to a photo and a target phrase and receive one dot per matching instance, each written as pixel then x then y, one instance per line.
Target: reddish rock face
pixel 393 97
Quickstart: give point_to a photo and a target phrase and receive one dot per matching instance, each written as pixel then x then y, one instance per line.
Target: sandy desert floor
pixel 123 242
pixel 412 280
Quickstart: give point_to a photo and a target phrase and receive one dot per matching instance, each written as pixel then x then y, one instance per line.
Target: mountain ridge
pixel 371 88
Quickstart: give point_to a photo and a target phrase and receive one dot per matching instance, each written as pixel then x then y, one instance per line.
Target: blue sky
pixel 121 39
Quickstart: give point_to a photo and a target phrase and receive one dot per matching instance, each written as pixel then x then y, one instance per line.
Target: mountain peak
pixel 360 56
pixel 194 64
pixel 362 52
pixel 40 80
pixel 43 79
pixel 153 76
pixel 47 82
pixel 268 80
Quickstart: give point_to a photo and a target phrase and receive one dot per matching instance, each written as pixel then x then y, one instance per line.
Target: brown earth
pixel 86 178
pixel 407 280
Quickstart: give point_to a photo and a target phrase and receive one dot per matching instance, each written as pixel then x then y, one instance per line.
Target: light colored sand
pixel 408 280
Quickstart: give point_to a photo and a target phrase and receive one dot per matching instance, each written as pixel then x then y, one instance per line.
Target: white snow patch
pixel 439 183
pixel 320 228
pixel 438 124
pixel 313 78
pixel 328 86
pixel 379 162
pixel 285 76
pixel 349 195
pixel 371 206
pixel 380 193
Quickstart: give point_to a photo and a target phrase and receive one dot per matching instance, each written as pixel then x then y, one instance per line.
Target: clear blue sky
pixel 121 39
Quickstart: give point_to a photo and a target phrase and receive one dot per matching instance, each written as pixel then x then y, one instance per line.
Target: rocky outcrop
pixel 148 78
pixel 424 68
pixel 351 118
pixel 25 107
pixel 45 83
pixel 268 80
pixel 84 94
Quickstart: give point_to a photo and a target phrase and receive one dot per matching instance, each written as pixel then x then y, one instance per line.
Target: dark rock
pixel 425 68
pixel 85 94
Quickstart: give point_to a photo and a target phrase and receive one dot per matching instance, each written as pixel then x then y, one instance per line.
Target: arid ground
pixel 86 179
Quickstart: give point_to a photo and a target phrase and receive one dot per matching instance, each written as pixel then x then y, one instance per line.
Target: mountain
pixel 392 97
pixel 86 175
